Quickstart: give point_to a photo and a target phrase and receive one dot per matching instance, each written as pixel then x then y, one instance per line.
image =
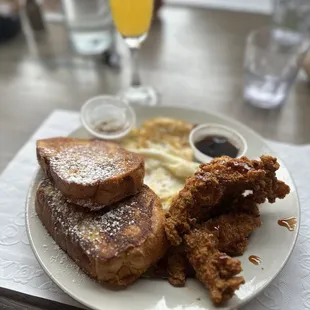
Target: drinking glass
pixel 271 66
pixel 132 18
pixel 291 17
pixel 90 25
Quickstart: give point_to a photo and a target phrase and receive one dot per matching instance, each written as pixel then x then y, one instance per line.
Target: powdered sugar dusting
pixel 110 223
pixel 87 164
pixel 100 233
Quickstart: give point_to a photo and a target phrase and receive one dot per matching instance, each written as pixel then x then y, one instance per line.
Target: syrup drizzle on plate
pixel 256 260
pixel 289 222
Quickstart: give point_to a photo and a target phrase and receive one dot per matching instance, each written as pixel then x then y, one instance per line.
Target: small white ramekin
pixel 201 131
pixel 111 109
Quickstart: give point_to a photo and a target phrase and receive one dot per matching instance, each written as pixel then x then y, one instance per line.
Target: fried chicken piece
pixel 176 266
pixel 232 231
pixel 215 213
pixel 180 218
pixel 218 187
pixel 216 270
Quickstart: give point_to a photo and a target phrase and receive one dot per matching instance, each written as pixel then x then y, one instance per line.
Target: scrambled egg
pixel 168 157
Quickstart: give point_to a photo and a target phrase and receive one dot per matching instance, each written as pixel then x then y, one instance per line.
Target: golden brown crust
pixel 219 187
pixel 100 172
pixel 214 215
pixel 113 246
pixel 176 266
pixel 232 231
pixel 216 270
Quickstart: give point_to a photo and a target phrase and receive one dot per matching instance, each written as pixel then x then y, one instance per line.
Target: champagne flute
pixel 132 18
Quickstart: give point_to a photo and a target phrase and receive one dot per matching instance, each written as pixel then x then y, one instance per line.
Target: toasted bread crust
pixel 115 245
pixel 100 171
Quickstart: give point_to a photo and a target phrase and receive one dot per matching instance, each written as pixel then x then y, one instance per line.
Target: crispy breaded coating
pixel 214 214
pixel 232 231
pixel 216 270
pixel 218 187
pixel 176 266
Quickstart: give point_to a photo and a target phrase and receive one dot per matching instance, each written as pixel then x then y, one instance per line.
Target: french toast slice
pixel 115 245
pixel 101 172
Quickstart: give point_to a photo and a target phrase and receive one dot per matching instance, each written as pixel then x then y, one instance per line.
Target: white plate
pixel 271 242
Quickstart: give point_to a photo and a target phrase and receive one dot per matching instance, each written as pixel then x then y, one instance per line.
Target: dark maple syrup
pixel 216 146
pixel 255 259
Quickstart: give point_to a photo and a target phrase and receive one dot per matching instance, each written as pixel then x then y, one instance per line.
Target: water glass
pixel 89 24
pixel 271 66
pixel 292 16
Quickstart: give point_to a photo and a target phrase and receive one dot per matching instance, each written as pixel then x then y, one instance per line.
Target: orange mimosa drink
pixel 132 18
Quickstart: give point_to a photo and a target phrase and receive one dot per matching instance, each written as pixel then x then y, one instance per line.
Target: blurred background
pixel 57 54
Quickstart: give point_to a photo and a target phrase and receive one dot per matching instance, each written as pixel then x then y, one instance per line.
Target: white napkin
pixel 20 271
